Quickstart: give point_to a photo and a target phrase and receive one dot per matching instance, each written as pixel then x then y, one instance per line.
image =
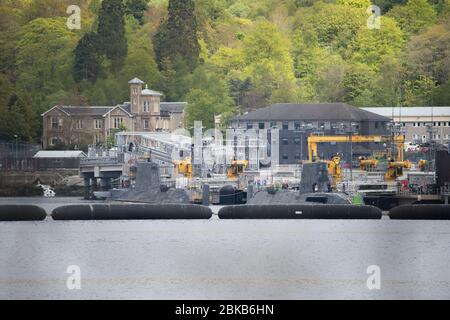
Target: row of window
pixel 436 136
pixel 435 124
pixel 147 106
pixel 299 125
pixel 57 123
pixel 285 156
pixel 296 140
pixel 56 140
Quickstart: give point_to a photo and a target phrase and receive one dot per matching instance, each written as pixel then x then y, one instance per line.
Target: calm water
pixel 223 259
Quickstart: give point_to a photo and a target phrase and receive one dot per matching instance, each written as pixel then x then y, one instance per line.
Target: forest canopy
pixel 221 56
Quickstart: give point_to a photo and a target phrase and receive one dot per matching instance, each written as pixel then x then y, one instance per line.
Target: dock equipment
pixel 334 170
pixel 184 167
pixel 313 140
pixel 236 168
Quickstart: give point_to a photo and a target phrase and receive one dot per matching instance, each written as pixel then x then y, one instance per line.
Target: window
pixel 297 156
pixel 285 141
pixel 285 156
pixel 79 124
pixel 98 124
pixel 146 124
pixel 56 123
pixel 249 125
pixel 54 141
pixel 117 122
pixel 376 125
pixel 146 106
pixel 297 125
pixel 97 138
pixel 261 125
pixel 285 125
pixel 321 125
pixel 273 124
pixel 297 140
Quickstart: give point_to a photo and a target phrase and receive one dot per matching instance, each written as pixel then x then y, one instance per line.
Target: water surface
pixel 222 259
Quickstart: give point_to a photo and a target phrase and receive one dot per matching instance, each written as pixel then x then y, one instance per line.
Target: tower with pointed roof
pixel 135 93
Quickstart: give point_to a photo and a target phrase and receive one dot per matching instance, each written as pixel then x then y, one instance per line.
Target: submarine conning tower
pixel 315 178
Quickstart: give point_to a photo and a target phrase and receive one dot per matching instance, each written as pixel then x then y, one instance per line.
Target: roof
pixel 60 154
pixel 148 92
pixel 135 81
pixel 87 110
pixel 314 112
pixel 100 111
pixel 119 107
pixel 411 111
pixel 173 107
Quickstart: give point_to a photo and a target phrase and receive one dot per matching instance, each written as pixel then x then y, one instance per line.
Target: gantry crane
pixel 395 167
pixel 313 140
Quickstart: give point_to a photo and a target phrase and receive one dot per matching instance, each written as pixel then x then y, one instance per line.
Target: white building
pixel 416 122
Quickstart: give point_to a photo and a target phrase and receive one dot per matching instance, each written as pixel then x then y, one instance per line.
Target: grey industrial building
pixel 297 121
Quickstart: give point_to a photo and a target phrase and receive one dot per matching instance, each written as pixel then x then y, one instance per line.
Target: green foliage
pixel 87 64
pixel 176 38
pixel 111 40
pixel 137 9
pixel 414 16
pixel 220 55
pixel 370 46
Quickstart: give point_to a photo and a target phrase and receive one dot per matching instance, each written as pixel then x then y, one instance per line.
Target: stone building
pixel 296 121
pixel 85 125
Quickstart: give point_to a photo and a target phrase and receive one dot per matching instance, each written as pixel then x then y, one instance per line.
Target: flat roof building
pixel 296 121
pixel 419 124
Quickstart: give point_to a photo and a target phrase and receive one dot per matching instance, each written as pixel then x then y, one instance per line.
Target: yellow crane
pixel 236 168
pixel 367 164
pixel 184 167
pixel 334 170
pixel 395 167
pixel 313 140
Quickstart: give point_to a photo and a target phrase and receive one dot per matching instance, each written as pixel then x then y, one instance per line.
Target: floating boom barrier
pixel 131 212
pixel 300 211
pixel 421 212
pixel 14 212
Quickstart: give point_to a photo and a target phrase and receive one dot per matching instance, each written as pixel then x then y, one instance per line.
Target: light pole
pixel 16 137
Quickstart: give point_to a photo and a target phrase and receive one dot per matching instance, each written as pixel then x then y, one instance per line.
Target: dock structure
pixel 104 168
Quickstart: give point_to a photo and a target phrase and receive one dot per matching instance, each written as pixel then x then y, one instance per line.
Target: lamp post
pixel 351 131
pixel 16 137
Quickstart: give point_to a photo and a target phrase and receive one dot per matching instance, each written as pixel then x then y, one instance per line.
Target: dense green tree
pixel 137 9
pixel 111 40
pixel 219 55
pixel 414 16
pixel 370 46
pixel 87 62
pixel 176 38
pixel 429 53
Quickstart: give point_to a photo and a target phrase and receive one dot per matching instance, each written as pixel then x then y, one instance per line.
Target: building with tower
pixel 86 125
